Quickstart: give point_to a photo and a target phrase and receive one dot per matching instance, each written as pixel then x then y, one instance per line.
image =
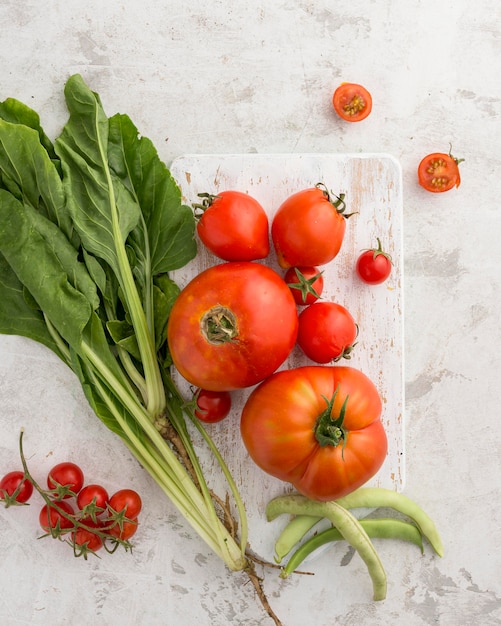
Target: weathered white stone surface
pixel 219 77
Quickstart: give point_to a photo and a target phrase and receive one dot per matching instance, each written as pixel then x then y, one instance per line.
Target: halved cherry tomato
pixel 308 228
pixel 306 284
pixel 232 326
pixel 374 265
pixel 439 172
pixel 317 427
pixel 233 226
pixel 352 102
pixel 327 332
pixel 212 406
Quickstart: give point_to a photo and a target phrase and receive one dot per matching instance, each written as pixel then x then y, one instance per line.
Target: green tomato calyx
pixel 329 430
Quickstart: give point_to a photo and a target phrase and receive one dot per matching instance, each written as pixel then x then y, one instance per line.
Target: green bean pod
pixel 375 497
pixel 349 527
pixel 381 528
pixel 292 534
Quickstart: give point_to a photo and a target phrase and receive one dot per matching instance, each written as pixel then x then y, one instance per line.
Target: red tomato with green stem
pixel 123 531
pixel 212 406
pixel 327 332
pixel 233 226
pixel 309 227
pixel 232 326
pixel 316 427
pixel 352 102
pixel 439 172
pixel 67 478
pixel 126 500
pixel 52 519
pixel 92 499
pixel 374 265
pixel 306 284
pixel 15 487
pixel 87 539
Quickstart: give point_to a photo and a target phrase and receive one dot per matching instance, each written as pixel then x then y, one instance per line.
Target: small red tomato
pixel 126 532
pixel 306 284
pixel 439 172
pixel 212 406
pixel 67 475
pixel 233 226
pixel 50 518
pixel 12 482
pixel 126 500
pixel 85 538
pixel 374 265
pixel 92 497
pixel 327 332
pixel 352 102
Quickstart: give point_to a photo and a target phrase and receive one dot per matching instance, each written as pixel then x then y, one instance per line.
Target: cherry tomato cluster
pixel 437 172
pixel 84 515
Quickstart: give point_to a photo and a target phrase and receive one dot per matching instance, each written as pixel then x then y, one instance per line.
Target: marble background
pixel 216 76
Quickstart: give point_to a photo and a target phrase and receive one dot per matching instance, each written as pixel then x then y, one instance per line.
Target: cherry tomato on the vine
pixel 87 539
pixel 439 172
pixel 67 475
pixel 308 228
pixel 306 284
pixel 327 332
pixel 50 518
pixel 232 326
pixel 93 497
pixel 13 481
pixel 128 529
pixel 212 406
pixel 233 226
pixel 352 102
pixel 374 265
pixel 126 500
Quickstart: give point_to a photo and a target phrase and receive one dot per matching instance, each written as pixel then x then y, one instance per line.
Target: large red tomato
pixel 232 326
pixel 308 228
pixel 317 427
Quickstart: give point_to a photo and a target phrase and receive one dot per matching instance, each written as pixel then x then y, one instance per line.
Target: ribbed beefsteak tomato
pixel 232 326
pixel 317 427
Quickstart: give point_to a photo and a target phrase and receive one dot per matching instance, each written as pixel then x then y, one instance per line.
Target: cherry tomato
pixel 327 332
pixel 87 539
pixel 212 406
pixel 232 326
pixel 234 226
pixel 126 532
pixel 308 228
pixel 352 102
pixel 374 265
pixel 13 481
pixel 126 500
pixel 316 427
pixel 50 519
pixel 306 284
pixel 67 475
pixel 439 172
pixel 92 498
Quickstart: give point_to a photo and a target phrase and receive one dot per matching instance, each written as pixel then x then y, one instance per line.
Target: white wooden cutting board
pixel 373 187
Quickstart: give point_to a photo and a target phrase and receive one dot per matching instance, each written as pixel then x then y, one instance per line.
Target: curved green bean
pixel 349 527
pixel 381 528
pixel 292 534
pixel 375 497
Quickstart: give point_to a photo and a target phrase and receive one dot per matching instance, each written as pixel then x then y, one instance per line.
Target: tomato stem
pixel 329 431
pixel 219 325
